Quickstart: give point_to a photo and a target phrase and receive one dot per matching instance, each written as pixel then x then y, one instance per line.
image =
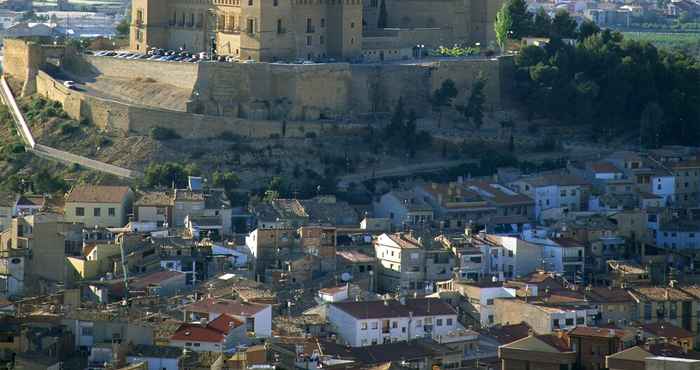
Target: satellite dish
pixel 346 276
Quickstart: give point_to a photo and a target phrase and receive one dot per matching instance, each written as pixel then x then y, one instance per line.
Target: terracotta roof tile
pixel 97 194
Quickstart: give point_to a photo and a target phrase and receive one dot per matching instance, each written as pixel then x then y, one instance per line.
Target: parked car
pixel 70 84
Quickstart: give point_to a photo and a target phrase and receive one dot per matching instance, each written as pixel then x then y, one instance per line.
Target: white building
pixel 372 322
pixel 663 184
pixel 553 192
pixel 679 234
pixel 561 255
pixel 507 257
pixel 481 297
pixel 403 208
pixel 257 317
pixel 155 357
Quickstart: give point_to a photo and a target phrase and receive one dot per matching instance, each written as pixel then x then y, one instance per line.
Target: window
pixel 673 311
pixel 279 26
pixel 275 2
pixel 250 2
pixel 449 322
pixel 490 319
pixel 375 325
pixel 86 331
pixel 580 321
pixel 385 326
pixel 556 323
pixel 197 344
pixel 510 253
pixel 352 24
pixel 363 326
pixel 249 26
pixel 323 22
pixel 322 40
pixel 96 212
pixel 394 324
pixel 569 322
pixel 111 212
pixel 439 322
pixel 489 302
pixel 80 211
pixel 647 311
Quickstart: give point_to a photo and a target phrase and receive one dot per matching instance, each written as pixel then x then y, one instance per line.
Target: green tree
pixel 123 28
pixel 651 125
pixel 383 15
pixel 225 179
pixel 168 174
pixel 45 182
pixel 542 24
pixel 563 25
pixel 443 97
pixel 474 109
pixel 520 17
pixel 587 29
pixel 503 26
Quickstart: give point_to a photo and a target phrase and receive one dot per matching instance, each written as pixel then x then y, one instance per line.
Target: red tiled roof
pixel 509 333
pixel 97 194
pixel 214 332
pixel 554 341
pixel 666 330
pixel 227 306
pixel 155 278
pixel 604 167
pixel 224 323
pixel 589 331
pixel 197 333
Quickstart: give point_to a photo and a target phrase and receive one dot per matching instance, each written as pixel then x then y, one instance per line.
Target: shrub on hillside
pixel 163 133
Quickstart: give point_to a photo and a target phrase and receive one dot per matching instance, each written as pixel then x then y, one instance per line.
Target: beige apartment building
pixel 267 30
pixel 103 206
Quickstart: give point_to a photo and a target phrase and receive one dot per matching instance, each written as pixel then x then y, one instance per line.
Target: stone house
pixel 98 205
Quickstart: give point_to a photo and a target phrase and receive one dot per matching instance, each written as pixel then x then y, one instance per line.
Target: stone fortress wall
pixel 252 99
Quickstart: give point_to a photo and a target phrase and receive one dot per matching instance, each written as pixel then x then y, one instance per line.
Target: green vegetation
pixel 123 28
pixel 455 51
pixel 443 97
pixel 607 81
pixel 163 133
pixel 688 43
pixel 614 85
pixel 169 174
pixel 474 109
pixel 401 132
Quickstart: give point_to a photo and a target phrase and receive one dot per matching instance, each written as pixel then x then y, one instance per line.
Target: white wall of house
pixel 197 346
pixel 486 301
pixel 389 206
pixel 263 323
pixel 687 239
pixel 664 186
pixel 359 333
pixel 155 363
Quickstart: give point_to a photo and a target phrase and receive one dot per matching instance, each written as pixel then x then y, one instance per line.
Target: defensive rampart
pixel 252 99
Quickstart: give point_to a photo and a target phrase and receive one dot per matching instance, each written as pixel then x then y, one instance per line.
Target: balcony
pixel 310 29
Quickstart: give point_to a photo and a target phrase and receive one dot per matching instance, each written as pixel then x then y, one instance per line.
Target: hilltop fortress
pixel 267 30
pixel 248 99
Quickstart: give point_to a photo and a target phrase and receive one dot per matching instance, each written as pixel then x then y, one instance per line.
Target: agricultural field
pixel 688 42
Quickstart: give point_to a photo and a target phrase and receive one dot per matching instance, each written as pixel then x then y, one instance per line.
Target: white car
pixel 69 84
